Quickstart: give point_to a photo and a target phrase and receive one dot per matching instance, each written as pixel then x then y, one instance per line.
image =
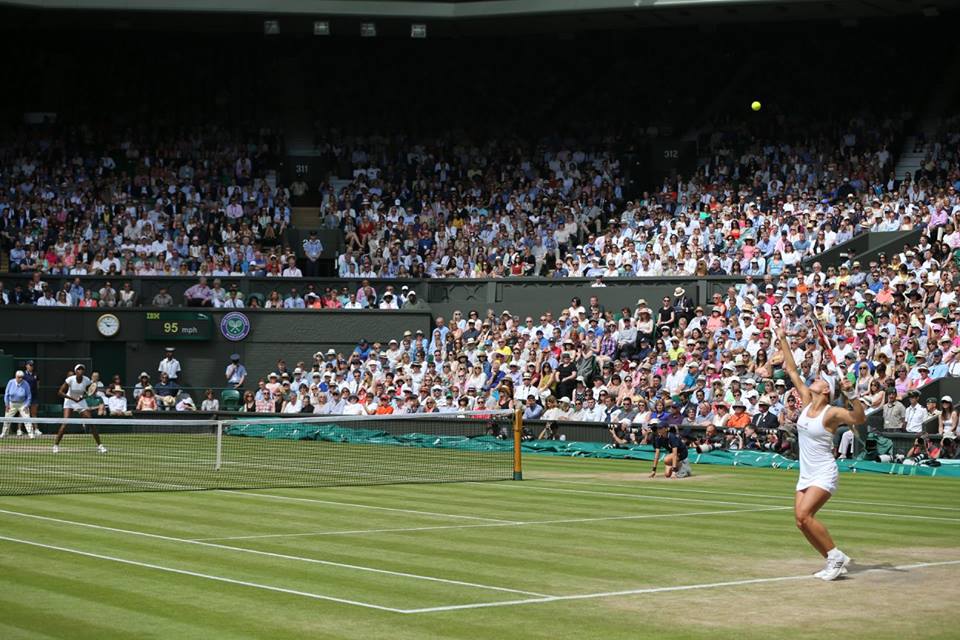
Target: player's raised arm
pixel 790 365
pixel 852 416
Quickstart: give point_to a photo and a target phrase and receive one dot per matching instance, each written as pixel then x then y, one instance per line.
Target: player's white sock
pixel 6 430
pixel 834 553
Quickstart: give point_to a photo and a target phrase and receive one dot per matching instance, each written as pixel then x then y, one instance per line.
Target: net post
pixel 517 439
pixel 219 445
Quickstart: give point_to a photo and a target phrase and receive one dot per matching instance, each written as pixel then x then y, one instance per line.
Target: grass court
pixel 580 549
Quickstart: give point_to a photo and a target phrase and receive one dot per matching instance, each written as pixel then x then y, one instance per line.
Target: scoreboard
pixel 178 325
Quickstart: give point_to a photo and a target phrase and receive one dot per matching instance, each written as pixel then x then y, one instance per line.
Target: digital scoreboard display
pixel 178 325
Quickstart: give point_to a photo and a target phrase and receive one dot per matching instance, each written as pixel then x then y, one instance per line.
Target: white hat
pixel 946 399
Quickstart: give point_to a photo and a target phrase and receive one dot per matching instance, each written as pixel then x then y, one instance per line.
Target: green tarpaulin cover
pixel 745 458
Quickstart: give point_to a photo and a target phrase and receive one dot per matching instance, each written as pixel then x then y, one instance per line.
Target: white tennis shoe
pixel 823 572
pixel 56 449
pixel 101 448
pixel 836 567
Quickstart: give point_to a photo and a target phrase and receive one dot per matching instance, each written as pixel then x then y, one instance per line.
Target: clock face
pixel 108 325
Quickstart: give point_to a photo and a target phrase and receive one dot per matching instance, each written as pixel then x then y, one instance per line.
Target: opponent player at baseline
pixel 818 470
pixel 73 391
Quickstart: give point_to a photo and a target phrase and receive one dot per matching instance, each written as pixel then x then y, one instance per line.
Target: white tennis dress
pixel 817 466
pixel 76 390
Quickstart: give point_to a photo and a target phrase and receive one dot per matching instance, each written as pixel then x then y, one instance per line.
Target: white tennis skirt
pixel 825 479
pixel 74 405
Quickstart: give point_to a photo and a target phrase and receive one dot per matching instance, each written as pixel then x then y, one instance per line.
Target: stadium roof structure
pixel 665 11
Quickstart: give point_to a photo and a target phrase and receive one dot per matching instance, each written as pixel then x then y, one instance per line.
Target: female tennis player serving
pixel 818 470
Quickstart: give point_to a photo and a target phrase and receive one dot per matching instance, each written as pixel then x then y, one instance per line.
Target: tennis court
pixel 580 548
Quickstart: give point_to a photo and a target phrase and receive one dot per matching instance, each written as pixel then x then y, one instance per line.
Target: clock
pixel 108 325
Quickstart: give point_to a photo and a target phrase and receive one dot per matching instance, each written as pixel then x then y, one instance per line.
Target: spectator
pixel 127 297
pixel 233 299
pixel 143 381
pixel 763 419
pixel 117 402
pixel 292 271
pixel 198 295
pixel 184 402
pixel 294 300
pixel 162 299
pixel 210 402
pixel 147 400
pixel 947 419
pixel 915 414
pixel 108 296
pixel 166 391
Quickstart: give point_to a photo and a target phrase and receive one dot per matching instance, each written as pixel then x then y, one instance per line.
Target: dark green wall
pixel 522 296
pixel 59 338
pixel 865 247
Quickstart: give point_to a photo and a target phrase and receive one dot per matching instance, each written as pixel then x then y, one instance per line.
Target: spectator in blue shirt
pixel 16 400
pixel 532 410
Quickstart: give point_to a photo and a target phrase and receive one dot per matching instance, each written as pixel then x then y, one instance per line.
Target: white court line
pixel 205 576
pixel 251 494
pixel 329 563
pixel 689 587
pixel 507 603
pixel 747 495
pixel 496 524
pixel 639 496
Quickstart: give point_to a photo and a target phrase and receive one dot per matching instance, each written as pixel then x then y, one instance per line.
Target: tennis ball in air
pixel 755 105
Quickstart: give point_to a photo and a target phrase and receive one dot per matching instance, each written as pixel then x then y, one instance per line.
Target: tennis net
pixel 173 454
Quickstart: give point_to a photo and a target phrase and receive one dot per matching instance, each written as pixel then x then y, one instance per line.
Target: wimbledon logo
pixel 235 326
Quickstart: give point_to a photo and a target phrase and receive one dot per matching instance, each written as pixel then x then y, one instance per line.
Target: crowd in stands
pixel 202 206
pixel 200 201
pixel 895 328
